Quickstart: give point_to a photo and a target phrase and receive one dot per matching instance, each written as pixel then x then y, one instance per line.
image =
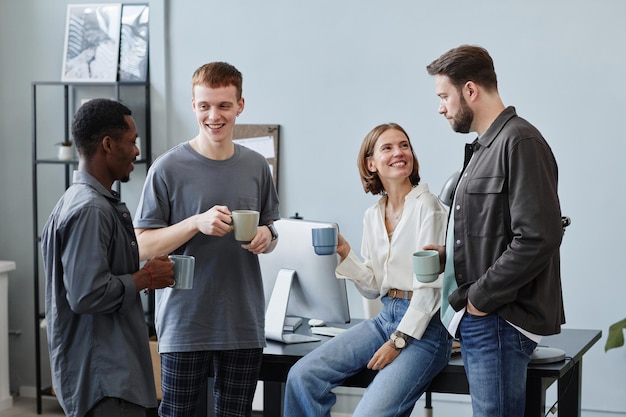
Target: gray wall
pixel 327 72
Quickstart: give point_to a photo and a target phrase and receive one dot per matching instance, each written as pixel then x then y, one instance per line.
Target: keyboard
pixel 327 331
pixel 298 338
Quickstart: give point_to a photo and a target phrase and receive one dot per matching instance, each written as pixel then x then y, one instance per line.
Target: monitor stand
pixel 277 310
pixel 543 354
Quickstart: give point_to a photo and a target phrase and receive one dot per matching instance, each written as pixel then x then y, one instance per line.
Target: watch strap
pixel 273 231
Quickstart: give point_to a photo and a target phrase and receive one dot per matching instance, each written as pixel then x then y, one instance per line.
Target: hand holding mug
pixel 442 254
pixel 214 222
pixel 161 272
pixel 343 247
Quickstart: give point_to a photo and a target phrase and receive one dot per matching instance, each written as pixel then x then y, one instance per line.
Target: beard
pixel 462 122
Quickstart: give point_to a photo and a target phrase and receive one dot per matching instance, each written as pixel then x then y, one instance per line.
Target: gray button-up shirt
pixel 97 335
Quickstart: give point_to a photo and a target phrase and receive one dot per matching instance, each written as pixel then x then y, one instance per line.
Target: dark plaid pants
pixel 236 374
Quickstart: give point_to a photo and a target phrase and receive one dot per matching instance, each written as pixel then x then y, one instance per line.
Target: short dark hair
pixel 218 74
pixel 371 181
pixel 96 119
pixel 466 63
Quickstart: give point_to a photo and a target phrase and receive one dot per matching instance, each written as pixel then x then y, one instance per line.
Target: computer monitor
pixel 299 283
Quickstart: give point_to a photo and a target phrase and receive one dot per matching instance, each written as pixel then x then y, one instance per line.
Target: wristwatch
pixel 272 231
pixel 398 340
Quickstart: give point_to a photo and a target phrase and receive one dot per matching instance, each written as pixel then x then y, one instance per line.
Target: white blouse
pixel 388 262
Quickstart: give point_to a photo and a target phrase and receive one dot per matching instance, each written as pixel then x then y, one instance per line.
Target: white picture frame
pixel 92 42
pixel 134 42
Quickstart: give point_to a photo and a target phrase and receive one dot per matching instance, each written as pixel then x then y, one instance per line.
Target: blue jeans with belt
pixel 396 387
pixel 496 356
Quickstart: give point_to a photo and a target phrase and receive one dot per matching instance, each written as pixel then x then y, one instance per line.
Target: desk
pixel 278 359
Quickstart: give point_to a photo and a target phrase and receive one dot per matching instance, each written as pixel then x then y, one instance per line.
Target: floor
pixel 27 407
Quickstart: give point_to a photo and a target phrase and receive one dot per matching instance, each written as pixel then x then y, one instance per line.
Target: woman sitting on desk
pixel 406 342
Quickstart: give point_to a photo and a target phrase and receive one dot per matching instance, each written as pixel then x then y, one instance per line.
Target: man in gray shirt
pixel 185 208
pixel 97 334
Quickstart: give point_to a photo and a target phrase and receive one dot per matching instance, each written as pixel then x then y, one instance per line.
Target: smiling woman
pixel 406 342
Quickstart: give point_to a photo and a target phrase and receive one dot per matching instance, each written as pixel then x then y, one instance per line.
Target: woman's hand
pixel 343 247
pixel 442 254
pixel 383 357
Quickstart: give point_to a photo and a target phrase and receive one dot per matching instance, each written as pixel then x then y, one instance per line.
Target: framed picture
pixel 134 43
pixel 92 42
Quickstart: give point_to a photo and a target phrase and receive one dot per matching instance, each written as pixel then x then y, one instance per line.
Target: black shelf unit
pixel 136 95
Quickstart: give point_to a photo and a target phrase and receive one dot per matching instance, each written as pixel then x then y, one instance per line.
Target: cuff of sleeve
pixel 130 293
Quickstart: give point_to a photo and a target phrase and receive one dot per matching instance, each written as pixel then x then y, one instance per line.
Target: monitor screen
pixel 315 291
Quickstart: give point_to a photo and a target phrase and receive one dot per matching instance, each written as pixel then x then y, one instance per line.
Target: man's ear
pixel 470 91
pixel 107 142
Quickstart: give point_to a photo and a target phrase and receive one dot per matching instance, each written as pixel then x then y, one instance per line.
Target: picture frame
pixel 92 42
pixel 134 42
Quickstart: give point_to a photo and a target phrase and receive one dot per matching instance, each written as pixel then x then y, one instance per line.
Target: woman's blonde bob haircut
pixel 371 181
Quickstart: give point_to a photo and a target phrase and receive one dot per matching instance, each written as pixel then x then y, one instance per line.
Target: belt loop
pixel 393 293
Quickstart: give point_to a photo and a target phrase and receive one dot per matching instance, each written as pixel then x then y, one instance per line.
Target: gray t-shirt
pixel 226 307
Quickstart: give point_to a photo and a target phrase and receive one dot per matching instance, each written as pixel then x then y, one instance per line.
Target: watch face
pixel 400 342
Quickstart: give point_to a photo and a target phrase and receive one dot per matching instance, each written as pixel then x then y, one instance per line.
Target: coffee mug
pixel 426 265
pixel 324 240
pixel 184 266
pixel 245 223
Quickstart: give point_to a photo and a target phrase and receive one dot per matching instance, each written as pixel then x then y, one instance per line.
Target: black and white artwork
pixel 134 43
pixel 92 42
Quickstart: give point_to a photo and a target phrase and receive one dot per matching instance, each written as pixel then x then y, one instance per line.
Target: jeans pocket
pixel 476 317
pixel 526 345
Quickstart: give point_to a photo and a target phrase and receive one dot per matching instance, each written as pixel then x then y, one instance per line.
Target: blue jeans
pixel 495 356
pixel 394 390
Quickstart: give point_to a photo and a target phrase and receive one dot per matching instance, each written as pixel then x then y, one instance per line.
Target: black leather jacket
pixel 508 229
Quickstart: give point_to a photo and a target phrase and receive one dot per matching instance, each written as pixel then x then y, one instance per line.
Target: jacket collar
pixel 492 132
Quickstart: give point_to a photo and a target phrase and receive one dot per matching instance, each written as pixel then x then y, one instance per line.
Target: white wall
pixel 327 72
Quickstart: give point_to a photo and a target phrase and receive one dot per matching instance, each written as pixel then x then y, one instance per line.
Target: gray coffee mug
pixel 184 266
pixel 245 223
pixel 426 265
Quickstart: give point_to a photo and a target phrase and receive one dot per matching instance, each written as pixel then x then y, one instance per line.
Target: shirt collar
pixel 83 177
